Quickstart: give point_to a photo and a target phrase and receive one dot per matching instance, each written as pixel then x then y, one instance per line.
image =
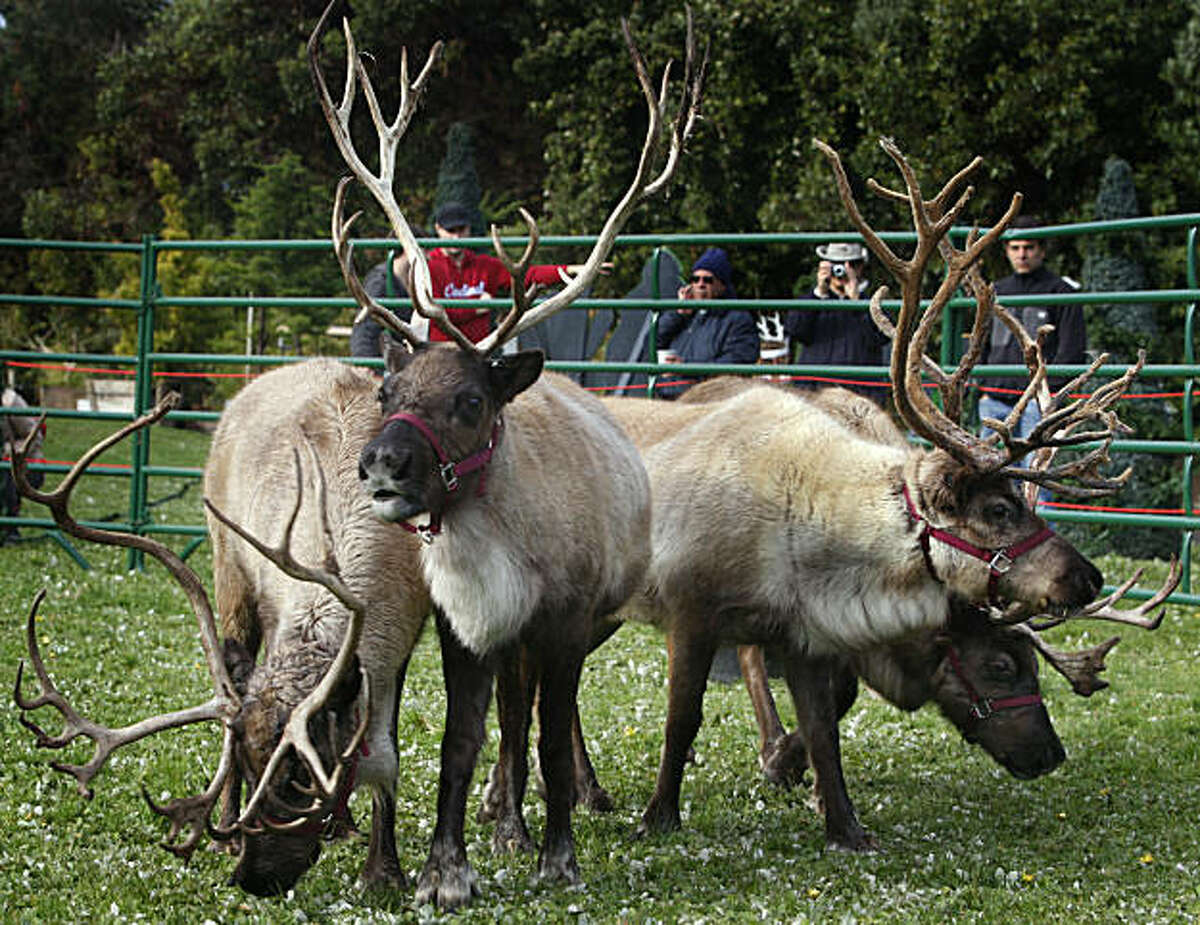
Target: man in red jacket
pixel 460 273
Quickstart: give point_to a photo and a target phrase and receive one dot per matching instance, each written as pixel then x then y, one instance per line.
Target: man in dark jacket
pixel 1066 344
pixel 838 337
pixel 691 335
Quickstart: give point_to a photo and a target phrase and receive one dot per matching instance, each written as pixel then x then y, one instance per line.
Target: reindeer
pixel 982 674
pixel 294 726
pixel 776 524
pixel 333 408
pixel 534 505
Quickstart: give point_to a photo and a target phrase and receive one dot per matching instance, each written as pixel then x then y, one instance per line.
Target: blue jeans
pixel 991 407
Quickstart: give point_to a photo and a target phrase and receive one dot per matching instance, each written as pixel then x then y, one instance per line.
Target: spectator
pixel 833 337
pixel 14 428
pixel 696 335
pixel 1066 344
pixel 459 273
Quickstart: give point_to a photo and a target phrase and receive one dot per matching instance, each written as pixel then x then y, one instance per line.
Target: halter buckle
pixel 449 476
pixel 981 709
pixel 1000 563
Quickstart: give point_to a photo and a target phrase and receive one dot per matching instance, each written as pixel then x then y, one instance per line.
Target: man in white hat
pixel 839 337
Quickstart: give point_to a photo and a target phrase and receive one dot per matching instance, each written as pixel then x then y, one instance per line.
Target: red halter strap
pixel 449 471
pixel 983 707
pixel 999 560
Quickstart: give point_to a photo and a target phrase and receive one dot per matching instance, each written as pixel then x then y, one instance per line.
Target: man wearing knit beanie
pixel 698 335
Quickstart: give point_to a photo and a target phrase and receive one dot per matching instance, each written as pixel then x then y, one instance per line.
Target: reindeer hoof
pixel 657 819
pixel 597 800
pixel 447 886
pixel 511 837
pixel 784 761
pixel 858 842
pixel 561 868
pixel 383 878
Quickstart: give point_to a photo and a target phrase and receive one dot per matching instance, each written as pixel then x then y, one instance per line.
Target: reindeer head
pixel 442 404
pixel 272 859
pixel 986 684
pixel 285 722
pixel 988 544
pixel 442 420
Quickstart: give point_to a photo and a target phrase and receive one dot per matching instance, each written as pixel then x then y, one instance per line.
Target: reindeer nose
pixel 395 462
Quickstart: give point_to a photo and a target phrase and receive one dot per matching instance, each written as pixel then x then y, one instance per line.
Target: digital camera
pixel 838 270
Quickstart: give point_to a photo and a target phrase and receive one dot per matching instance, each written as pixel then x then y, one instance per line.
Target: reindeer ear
pixel 510 374
pixel 238 662
pixel 941 486
pixel 395 354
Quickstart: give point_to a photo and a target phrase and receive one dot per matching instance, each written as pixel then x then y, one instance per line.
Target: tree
pixel 457 180
pixel 1114 263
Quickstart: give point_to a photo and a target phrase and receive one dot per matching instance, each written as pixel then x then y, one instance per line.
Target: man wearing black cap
pixel 460 273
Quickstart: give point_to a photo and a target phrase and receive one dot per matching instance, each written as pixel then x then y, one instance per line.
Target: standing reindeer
pixel 332 408
pixel 776 524
pixel 305 709
pixel 982 674
pixel 535 506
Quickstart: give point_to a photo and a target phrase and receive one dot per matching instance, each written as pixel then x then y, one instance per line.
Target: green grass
pixel 1110 836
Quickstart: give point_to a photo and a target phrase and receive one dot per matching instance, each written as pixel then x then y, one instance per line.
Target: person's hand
pixel 686 293
pixel 824 275
pixel 850 282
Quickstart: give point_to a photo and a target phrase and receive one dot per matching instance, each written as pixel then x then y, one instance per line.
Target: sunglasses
pixel 707 280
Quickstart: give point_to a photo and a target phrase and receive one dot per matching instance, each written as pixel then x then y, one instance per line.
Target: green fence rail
pixel 146 362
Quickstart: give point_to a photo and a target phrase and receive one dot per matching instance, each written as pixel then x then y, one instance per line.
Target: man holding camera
pixel 839 337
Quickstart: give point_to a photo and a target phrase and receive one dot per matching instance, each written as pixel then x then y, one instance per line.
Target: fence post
pixel 1185 548
pixel 143 394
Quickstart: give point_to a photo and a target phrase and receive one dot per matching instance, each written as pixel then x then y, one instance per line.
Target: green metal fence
pixel 147 361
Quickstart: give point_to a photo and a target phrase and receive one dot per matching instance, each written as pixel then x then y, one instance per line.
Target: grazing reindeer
pixel 266 711
pixel 334 409
pixel 776 524
pixel 982 674
pixel 535 505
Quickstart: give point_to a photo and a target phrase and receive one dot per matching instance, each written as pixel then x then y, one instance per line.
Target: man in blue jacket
pixel 698 335
pixel 838 337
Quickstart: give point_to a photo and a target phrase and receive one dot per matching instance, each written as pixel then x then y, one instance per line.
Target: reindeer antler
pixel 932 220
pixel 223 705
pixel 521 316
pixel 1083 667
pixel 295 734
pixel 190 814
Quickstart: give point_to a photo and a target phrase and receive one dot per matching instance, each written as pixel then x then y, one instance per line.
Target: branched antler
pixel 932 220
pixel 295 734
pixel 190 815
pixel 522 315
pixel 1083 667
pixel 225 702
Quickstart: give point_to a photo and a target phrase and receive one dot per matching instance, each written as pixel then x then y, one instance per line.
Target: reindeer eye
pixel 469 407
pixel 999 512
pixel 1001 667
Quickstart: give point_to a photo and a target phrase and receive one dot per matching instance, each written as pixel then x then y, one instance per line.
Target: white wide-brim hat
pixel 841 251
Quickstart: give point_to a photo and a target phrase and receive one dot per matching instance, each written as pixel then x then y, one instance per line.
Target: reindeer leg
pixel 813 682
pixel 782 757
pixel 557 713
pixel 588 792
pixel 505 792
pixel 382 868
pixel 690 656
pixel 447 878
